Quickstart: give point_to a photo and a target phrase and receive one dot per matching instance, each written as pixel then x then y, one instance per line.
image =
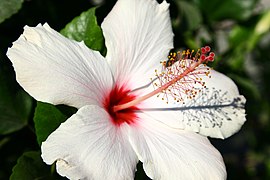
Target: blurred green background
pixel 238 32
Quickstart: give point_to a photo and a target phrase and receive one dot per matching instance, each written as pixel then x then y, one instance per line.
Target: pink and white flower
pixel 119 120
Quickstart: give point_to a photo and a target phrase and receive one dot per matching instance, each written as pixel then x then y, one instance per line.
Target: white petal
pixel 175 155
pixel 54 69
pixel 89 146
pixel 138 35
pixel 217 111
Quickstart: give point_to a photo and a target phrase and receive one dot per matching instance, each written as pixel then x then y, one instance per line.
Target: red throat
pixel 118 96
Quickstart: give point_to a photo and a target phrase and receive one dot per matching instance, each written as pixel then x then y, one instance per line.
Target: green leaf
pixel 190 14
pixel 47 118
pixel 229 9
pixel 262 27
pixel 30 166
pixel 85 28
pixel 240 35
pixel 8 8
pixel 15 104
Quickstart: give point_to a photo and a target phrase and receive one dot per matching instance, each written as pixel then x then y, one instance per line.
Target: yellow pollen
pixel 180 77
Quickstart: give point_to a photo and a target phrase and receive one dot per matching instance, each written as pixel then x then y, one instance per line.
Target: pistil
pixel 200 57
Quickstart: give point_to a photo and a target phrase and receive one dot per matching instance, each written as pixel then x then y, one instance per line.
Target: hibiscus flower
pixel 120 120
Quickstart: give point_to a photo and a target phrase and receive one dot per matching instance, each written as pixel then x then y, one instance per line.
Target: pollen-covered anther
pixel 181 71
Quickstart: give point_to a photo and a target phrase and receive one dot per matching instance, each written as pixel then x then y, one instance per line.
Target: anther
pixel 179 73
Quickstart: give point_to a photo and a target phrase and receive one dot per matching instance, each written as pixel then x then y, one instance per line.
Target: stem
pixel 160 89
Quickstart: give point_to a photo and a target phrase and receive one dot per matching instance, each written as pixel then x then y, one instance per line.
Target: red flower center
pixel 118 96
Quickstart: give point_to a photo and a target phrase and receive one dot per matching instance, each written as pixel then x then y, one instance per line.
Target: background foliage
pixel 238 31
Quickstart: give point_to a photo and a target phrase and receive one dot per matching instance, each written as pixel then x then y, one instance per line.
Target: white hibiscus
pixel 107 137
